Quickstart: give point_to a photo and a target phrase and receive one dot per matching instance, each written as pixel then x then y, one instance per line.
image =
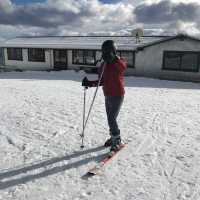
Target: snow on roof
pixel 2 43
pixel 79 42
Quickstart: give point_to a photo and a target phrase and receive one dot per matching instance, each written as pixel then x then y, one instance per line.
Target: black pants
pixel 113 105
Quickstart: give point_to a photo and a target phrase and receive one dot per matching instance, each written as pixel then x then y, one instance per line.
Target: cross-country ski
pixel 98 168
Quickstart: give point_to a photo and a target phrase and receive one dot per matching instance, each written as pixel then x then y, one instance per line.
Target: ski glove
pixel 86 82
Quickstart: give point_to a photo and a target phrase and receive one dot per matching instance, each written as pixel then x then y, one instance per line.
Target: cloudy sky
pixel 68 17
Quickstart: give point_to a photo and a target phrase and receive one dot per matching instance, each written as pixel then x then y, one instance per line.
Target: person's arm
pixel 87 83
pixel 122 65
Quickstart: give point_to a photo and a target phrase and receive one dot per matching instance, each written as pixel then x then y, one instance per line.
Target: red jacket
pixel 113 78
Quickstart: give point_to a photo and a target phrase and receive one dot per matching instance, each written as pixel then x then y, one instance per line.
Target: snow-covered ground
pixel 40 123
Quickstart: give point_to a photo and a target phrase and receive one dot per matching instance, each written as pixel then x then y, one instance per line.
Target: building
pixel 176 57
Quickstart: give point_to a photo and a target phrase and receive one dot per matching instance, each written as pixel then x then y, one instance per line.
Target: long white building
pixel 176 57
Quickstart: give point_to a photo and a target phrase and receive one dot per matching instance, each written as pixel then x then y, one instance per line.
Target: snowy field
pixel 40 123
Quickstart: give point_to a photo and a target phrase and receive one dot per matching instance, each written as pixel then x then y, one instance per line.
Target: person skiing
pixel 112 79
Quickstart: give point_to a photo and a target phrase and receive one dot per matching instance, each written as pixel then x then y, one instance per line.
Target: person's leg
pixel 107 106
pixel 113 105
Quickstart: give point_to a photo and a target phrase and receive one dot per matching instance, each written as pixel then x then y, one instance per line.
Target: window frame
pixel 9 54
pixel 181 54
pixel 119 52
pixel 30 59
pixel 84 57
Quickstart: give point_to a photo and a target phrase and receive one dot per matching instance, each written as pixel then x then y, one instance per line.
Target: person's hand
pixel 86 82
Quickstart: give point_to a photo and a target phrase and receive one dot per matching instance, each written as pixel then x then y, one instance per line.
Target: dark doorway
pixel 60 59
pixel 1 56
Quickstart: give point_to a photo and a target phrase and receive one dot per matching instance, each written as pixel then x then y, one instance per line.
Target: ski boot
pixel 108 142
pixel 115 144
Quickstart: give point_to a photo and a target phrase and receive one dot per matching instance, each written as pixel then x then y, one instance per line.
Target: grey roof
pixel 89 42
pixel 79 42
pixel 166 39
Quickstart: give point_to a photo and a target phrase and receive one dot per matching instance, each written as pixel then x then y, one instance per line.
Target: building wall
pixel 131 71
pixel 149 61
pixel 48 64
pixel 51 59
pixel 28 65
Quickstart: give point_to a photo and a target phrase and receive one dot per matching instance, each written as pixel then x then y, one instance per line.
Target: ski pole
pixel 84 102
pixel 90 109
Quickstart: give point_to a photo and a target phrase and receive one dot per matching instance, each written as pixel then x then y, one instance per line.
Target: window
pixel 84 57
pixel 181 61
pixel 36 55
pixel 190 62
pixel 78 57
pixel 98 55
pixel 129 56
pixel 14 54
pixel 89 57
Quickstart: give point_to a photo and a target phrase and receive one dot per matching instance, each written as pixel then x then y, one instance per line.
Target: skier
pixel 112 81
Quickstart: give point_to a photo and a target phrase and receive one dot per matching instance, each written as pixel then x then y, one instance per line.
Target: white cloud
pixel 182 27
pixel 6 6
pixel 174 1
pixel 185 1
pixel 61 5
pixel 65 17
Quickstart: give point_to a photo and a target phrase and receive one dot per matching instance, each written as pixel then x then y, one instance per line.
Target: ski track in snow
pixel 40 123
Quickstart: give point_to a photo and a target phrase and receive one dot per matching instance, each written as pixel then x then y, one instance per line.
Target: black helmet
pixel 109 46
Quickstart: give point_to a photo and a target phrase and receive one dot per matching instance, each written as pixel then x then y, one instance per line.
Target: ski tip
pixel 91 174
pixel 88 175
pixel 82 146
